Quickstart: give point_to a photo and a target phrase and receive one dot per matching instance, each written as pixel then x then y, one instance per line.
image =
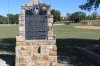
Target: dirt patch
pixel 88 27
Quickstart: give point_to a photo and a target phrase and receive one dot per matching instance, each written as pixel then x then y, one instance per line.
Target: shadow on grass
pixel 68 52
pixel 9 59
pixel 8 44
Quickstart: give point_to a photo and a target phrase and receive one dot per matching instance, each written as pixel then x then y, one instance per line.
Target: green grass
pixel 61 31
pixel 8 31
pixel 59 22
pixel 68 31
pixel 96 23
pixel 8 39
pixel 64 35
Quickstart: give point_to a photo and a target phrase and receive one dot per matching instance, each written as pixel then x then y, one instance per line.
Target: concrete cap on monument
pixel 34 2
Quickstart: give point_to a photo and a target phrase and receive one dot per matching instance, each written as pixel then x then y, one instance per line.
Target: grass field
pixel 97 23
pixel 8 31
pixel 61 31
pixel 68 31
pixel 7 39
pixel 66 36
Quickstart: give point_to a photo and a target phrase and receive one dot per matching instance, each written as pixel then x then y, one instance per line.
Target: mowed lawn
pixel 8 31
pixel 68 31
pixel 8 36
pixel 61 31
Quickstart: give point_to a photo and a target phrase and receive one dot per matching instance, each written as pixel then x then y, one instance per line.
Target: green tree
pixel 16 16
pixel 94 15
pixel 77 16
pixel 3 20
pixel 10 18
pixel 90 4
pixel 13 19
pixel 56 15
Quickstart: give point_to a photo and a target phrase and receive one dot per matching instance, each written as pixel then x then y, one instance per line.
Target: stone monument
pixel 36 45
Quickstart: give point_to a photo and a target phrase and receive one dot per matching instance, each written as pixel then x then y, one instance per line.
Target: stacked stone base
pixel 35 52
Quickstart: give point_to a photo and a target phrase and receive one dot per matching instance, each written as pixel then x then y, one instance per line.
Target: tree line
pixel 74 17
pixel 78 16
pixel 13 18
pixel 9 19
